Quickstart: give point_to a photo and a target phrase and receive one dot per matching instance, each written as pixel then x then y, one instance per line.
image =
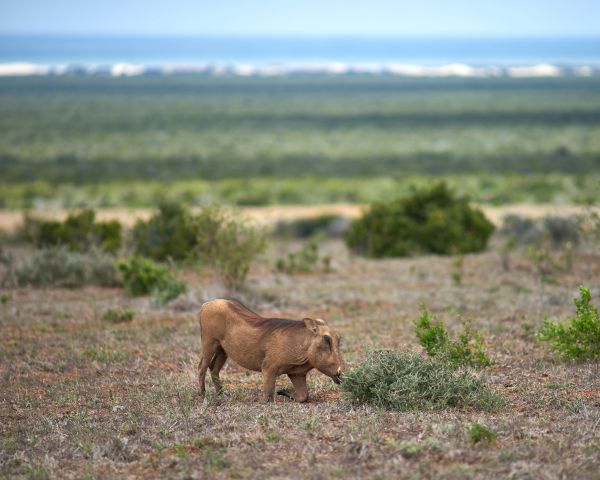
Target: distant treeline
pixel 486 188
pixel 61 133
pixel 69 169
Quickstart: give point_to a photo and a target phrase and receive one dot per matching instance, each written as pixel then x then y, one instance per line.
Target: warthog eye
pixel 327 340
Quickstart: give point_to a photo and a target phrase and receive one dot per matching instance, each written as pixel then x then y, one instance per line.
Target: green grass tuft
pixel 480 434
pixel 117 315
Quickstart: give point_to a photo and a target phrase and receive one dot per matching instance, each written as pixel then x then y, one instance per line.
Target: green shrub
pixel 118 315
pixel 429 221
pixel 431 333
pixel 79 232
pixel 576 338
pixel 141 276
pixel 468 349
pixel 228 243
pixel 480 434
pixel 306 259
pixel 169 234
pixel 169 289
pixel 401 380
pixel 60 267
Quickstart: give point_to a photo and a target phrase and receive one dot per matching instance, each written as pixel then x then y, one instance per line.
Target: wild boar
pixel 273 346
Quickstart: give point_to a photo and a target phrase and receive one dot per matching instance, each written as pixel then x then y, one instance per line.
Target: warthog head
pixel 324 350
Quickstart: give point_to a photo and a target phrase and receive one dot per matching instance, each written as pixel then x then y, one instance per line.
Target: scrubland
pixel 86 394
pixel 99 346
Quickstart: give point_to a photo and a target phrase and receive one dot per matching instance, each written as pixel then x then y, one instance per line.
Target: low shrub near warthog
pixel 576 338
pixel 401 380
pixel 433 220
pixel 61 267
pixel 466 349
pixel 79 232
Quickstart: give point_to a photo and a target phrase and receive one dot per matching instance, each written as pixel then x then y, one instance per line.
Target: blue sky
pixel 504 18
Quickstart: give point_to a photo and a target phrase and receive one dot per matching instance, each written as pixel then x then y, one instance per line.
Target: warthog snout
pixel 337 378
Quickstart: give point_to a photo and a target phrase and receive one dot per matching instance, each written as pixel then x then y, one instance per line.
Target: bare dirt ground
pixel 84 398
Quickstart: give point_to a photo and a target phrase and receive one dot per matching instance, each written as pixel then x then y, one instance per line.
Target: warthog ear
pixel 311 324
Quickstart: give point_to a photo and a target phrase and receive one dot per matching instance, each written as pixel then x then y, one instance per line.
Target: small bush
pixel 7 269
pixel 405 381
pixel 306 259
pixel 168 234
pixel 141 276
pixel 431 333
pixel 79 232
pixel 576 338
pixel 228 243
pixel 457 272
pixel 557 231
pixel 562 230
pixel 330 225
pixel 480 434
pixel 117 315
pixel 169 289
pixel 429 221
pixel 521 230
pixel 468 349
pixel 60 267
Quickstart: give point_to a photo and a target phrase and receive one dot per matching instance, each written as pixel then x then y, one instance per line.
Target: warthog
pixel 273 346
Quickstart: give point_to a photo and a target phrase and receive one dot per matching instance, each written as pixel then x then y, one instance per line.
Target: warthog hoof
pixel 284 393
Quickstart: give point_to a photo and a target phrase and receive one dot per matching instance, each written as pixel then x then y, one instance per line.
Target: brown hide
pixel 273 346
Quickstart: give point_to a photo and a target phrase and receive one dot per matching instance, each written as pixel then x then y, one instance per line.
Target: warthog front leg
pixel 269 377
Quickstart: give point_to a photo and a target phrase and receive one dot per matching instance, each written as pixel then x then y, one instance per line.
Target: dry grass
pixel 83 398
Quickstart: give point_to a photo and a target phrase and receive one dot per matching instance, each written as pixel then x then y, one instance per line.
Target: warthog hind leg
pixel 300 388
pixel 215 367
pixel 209 349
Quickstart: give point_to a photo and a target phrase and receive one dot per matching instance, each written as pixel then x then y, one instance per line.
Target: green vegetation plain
pixel 100 141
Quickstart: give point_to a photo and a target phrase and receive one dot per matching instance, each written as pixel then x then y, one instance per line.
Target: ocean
pixel 278 54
